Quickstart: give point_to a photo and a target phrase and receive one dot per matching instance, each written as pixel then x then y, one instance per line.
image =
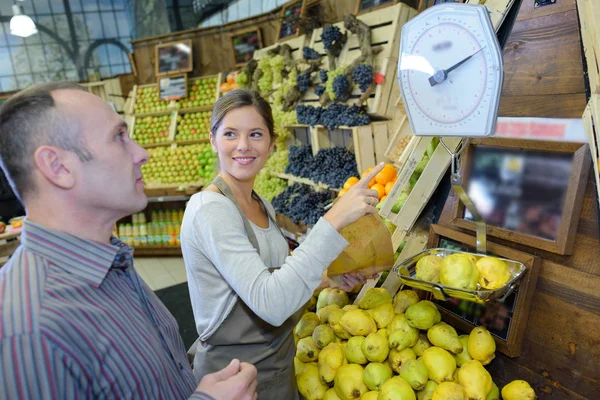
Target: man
pixel 76 320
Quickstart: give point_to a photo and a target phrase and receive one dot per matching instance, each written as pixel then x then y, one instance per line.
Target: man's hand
pixel 237 381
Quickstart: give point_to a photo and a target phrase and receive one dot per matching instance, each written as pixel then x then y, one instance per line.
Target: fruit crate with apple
pixel 192 127
pixel 147 102
pixel 385 26
pixel 418 178
pixel 153 131
pixel 179 165
pixel 203 93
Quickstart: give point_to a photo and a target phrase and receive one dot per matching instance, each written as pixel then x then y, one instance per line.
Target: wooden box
pixel 591 122
pixel 589 17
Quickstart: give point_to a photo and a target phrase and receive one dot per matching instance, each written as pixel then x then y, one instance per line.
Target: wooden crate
pixel 401 140
pixel 108 90
pixel 591 122
pixel 498 10
pixel 589 17
pixel 386 24
pixel 296 44
pixel 423 188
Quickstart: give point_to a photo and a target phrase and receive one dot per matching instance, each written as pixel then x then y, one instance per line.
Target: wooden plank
pixel 528 11
pixel 319 139
pixel 590 36
pixel 543 57
pixel 543 106
pixel 380 139
pixel 364 150
pixel 591 121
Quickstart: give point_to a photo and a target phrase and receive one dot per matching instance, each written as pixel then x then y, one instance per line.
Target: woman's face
pixel 243 143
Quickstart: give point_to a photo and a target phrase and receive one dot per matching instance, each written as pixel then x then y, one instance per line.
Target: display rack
pixel 385 26
pixel 296 44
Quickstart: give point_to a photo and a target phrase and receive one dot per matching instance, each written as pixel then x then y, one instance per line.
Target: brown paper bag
pixel 369 251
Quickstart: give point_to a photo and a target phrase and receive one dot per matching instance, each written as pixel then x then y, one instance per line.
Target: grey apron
pixel 245 336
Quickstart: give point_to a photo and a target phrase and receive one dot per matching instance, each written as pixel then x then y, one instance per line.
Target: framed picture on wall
pixel 243 45
pixel 291 13
pixel 363 6
pixel 174 57
pixel 527 191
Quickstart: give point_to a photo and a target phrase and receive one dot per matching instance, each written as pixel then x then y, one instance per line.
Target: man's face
pixel 111 182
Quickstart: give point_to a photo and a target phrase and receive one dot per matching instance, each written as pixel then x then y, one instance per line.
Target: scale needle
pixel 442 74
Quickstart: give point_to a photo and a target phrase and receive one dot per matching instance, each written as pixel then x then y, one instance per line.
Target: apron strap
pixel 224 188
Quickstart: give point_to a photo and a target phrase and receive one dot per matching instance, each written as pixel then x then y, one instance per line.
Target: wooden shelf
pixel 196 109
pixel 152 145
pixel 197 141
pixel 173 190
pixel 155 113
pixel 154 251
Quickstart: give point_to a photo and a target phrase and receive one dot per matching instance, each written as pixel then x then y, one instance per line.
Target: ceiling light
pixel 21 24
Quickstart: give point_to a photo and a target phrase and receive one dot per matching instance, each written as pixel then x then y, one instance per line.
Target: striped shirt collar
pixel 89 260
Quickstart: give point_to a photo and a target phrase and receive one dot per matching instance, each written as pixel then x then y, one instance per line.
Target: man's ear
pixel 52 163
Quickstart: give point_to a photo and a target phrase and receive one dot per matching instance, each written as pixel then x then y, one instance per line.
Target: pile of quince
pixel 386 348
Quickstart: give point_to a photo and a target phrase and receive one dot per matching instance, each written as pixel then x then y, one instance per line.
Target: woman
pixel 244 286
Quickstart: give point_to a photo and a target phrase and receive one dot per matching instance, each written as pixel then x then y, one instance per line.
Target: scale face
pixel 450 71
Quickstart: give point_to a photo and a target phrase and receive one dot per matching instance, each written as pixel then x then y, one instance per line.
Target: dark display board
pixel 174 58
pixel 244 44
pixel 369 5
pixel 290 19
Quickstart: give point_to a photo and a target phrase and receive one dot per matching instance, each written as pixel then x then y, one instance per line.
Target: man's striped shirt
pixel 76 321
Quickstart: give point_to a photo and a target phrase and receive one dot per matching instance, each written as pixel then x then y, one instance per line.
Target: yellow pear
pixel 493 272
pixel 463 356
pixel 459 272
pixel 382 314
pixel 358 323
pixel 421 345
pixel 518 390
pixel 455 375
pixel 353 350
pixel 307 350
pixel 372 395
pixel 309 383
pixel 445 336
pixel 323 335
pixel 299 366
pixel 349 383
pixel 400 334
pixel 494 393
pixel 376 374
pixel 440 364
pixel 331 395
pixel 415 373
pixel 350 307
pixel 449 391
pixel 481 345
pixel 396 388
pixel 427 392
pixel 475 379
pixel 324 312
pixel 383 332
pixel 335 318
pixel 373 298
pixel 428 268
pixel 405 299
pixel 307 325
pixel 423 315
pixel 329 296
pixel 311 305
pixel 331 358
pixel 375 347
pixel 398 357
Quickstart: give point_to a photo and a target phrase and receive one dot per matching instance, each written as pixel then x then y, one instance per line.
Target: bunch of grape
pixel 333 166
pixel 354 116
pixel 241 79
pixel 301 204
pixel 331 76
pixel 303 81
pixel 310 54
pixel 341 87
pixel 308 115
pixel 277 161
pixel 329 35
pixel 331 117
pixel 319 90
pixel 277 64
pixel 300 161
pixel 363 75
pixel 323 75
pixel 268 186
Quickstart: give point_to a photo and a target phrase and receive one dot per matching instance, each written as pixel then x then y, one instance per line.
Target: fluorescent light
pixel 21 24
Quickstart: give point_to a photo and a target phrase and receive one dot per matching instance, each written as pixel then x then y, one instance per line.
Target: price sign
pixel 173 87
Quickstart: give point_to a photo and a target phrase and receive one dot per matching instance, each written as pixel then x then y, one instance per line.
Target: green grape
pixel 330 78
pixel 277 64
pixel 277 161
pixel 241 79
pixel 268 186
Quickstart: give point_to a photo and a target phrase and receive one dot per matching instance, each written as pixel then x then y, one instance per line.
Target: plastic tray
pixel 406 272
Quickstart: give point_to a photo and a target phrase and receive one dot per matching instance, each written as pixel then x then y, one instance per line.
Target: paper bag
pixel 369 251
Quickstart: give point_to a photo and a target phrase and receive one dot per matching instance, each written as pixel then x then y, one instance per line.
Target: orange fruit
pixel 387 174
pixel 342 192
pixel 366 171
pixel 383 198
pixel 389 186
pixel 350 182
pixel 380 190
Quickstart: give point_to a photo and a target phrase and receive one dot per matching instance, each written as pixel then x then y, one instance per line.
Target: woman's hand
pixel 359 200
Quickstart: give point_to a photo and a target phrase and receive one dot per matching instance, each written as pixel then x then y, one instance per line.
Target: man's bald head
pixel 34 118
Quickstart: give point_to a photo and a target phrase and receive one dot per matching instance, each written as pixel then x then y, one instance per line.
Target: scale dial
pixel 450 71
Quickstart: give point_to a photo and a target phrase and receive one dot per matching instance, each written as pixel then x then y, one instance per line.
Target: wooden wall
pixel 543 68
